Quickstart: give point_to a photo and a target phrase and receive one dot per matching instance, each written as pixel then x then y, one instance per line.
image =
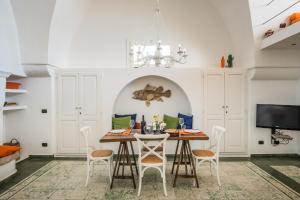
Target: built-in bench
pixel 8 161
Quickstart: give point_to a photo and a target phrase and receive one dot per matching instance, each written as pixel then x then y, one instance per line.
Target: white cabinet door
pixel 214 93
pixel 214 103
pixel 68 134
pixel 234 117
pixel 89 100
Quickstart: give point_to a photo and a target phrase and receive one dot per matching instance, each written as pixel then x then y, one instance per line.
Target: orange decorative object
pixel 295 21
pixel 8 150
pixel 222 62
pixel 295 17
pixel 12 85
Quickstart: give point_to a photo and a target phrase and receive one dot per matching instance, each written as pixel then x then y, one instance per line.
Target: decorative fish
pixel 151 93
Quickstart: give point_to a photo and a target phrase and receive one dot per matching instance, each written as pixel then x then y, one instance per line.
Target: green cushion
pixel 171 122
pixel 120 123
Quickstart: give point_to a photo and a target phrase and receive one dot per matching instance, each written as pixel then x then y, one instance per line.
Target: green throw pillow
pixel 120 123
pixel 171 122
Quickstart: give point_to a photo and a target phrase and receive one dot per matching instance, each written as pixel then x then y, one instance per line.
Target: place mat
pixel 125 133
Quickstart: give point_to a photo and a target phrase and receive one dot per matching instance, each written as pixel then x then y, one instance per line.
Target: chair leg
pixel 210 168
pixel 92 168
pixel 140 180
pixel 109 169
pixel 164 181
pixel 196 165
pixel 218 175
pixel 88 172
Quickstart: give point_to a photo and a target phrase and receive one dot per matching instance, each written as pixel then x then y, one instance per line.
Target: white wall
pixel 178 102
pixel 101 38
pixel 9 48
pixel 236 16
pixel 30 126
pixel 271 92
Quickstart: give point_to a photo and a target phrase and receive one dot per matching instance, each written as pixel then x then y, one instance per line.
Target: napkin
pixel 188 133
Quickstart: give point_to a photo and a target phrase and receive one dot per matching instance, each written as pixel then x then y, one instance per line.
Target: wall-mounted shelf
pixel 274 73
pixel 287 38
pixel 7 108
pixel 16 91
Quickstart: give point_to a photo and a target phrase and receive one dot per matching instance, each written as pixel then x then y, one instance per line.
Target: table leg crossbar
pixel 186 159
pixel 123 158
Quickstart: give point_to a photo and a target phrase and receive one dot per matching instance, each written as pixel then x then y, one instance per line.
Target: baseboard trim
pixel 292 155
pixel 222 157
pixel 41 156
pixel 69 155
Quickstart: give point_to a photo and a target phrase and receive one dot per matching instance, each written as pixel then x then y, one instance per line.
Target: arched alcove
pixel 178 102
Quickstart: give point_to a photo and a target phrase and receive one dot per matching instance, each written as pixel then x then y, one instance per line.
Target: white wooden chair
pixel 212 154
pixel 94 155
pixel 152 158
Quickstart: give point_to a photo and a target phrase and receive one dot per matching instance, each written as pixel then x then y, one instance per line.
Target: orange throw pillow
pixel 8 150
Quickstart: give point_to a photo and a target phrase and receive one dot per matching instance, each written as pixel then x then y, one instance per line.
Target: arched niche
pixel 178 102
pixel 115 81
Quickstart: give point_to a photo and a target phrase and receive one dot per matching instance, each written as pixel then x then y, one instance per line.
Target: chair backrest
pixel 218 132
pixel 86 131
pixel 158 140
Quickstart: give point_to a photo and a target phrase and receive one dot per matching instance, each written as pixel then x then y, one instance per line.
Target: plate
pixel 118 131
pixel 192 130
pixel 171 130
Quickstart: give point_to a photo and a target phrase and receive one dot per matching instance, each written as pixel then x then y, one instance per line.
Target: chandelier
pixel 157 55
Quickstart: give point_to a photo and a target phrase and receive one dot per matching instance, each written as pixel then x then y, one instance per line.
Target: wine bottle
pixel 143 124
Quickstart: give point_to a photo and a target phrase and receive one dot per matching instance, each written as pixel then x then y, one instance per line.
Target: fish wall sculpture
pixel 151 93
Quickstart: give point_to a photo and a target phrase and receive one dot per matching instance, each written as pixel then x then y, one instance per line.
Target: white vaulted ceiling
pixel 93 33
pixel 33 19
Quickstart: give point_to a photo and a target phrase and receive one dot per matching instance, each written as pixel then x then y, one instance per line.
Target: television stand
pixel 277 137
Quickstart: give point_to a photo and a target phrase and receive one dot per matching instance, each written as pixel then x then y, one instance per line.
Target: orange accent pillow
pixel 8 150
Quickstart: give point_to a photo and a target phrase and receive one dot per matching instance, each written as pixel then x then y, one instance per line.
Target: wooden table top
pixel 122 138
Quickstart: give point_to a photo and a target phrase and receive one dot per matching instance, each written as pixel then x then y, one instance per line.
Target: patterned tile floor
pixel 289 170
pixel 64 179
pixel 280 167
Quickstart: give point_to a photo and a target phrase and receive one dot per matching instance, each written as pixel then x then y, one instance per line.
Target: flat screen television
pixel 286 117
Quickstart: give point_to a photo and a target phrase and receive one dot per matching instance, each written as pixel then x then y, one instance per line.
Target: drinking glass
pixel 181 122
pixel 148 129
pixel 131 124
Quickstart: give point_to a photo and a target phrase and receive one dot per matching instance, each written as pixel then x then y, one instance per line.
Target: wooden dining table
pixel 124 158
